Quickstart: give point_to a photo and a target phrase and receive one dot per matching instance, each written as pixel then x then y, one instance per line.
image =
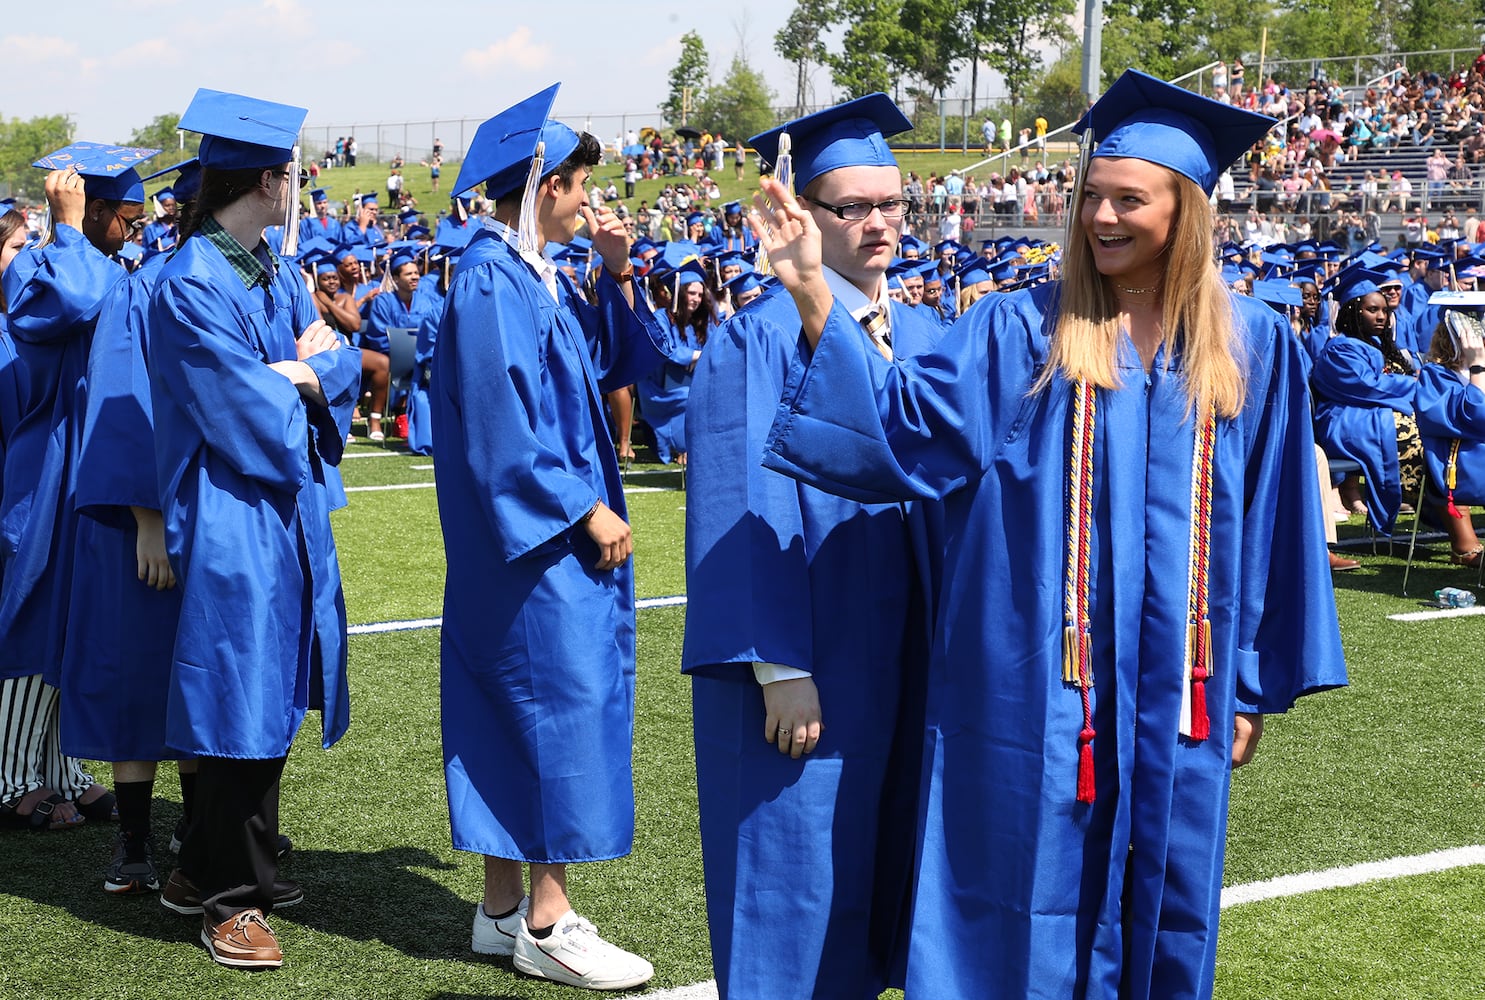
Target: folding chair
pixel 1443 471
pixel 402 354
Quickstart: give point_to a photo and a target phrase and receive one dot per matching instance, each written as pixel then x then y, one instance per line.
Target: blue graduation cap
pixel 407 216
pixel 1151 120
pixel 504 147
pixel 910 242
pixel 732 208
pixel 369 198
pixel 164 193
pixel 416 232
pixel 107 171
pixel 130 251
pixel 731 258
pixel 318 194
pixel 188 181
pixel 975 272
pixel 1279 294
pixel 853 134
pixel 239 133
pixel 1354 284
pixel 697 219
pixel 743 283
pixel 928 269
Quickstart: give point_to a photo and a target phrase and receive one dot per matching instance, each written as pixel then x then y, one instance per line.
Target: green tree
pixel 22 142
pixel 931 42
pixel 1012 32
pixel 164 133
pixel 740 106
pixel 801 41
pixel 688 80
pixel 1058 94
pixel 862 66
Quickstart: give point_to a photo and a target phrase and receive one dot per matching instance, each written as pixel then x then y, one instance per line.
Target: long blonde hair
pixel 1196 318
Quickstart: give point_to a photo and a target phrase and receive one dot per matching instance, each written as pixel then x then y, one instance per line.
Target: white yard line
pixel 1252 892
pixel 1370 871
pixel 628 490
pixel 375 454
pixel 413 624
pixel 1423 616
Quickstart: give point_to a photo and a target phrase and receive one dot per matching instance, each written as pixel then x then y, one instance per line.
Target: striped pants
pixel 30 745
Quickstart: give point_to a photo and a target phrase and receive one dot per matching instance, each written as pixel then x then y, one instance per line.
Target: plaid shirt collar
pixel 245 263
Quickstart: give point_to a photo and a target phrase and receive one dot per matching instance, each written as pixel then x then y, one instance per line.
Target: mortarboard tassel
pixel 530 238
pixel 783 172
pixel 290 245
pixel 1451 477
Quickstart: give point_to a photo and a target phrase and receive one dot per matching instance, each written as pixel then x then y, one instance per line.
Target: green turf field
pixel 1389 767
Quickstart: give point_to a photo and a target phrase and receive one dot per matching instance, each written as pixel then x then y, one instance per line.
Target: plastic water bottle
pixel 1453 597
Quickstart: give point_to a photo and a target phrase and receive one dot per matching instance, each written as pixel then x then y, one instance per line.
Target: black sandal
pixel 103 809
pixel 40 817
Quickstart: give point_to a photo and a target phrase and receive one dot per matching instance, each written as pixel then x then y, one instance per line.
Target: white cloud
pixel 515 51
pixel 39 50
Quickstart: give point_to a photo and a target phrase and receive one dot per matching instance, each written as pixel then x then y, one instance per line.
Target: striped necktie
pixel 875 324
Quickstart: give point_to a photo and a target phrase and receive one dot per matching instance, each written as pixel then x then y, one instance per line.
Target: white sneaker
pixel 574 954
pixel 497 937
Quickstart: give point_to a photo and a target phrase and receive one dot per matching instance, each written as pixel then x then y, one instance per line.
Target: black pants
pixel 231 849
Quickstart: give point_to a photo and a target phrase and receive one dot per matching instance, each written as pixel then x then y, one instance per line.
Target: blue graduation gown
pixel 1021 890
pixel 663 393
pixel 419 415
pixel 326 229
pixel 1451 409
pixel 1354 403
pixel 807 861
pixel 537 650
pixel 240 456
pixel 388 311
pixel 115 678
pixel 12 388
pixel 55 294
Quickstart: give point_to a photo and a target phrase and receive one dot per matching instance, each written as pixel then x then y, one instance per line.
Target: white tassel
pixel 783 172
pixel 530 238
pixel 290 245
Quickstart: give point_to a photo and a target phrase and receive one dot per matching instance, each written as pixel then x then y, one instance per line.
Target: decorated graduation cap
pixel 853 134
pixel 1148 119
pixel 240 133
pixel 107 171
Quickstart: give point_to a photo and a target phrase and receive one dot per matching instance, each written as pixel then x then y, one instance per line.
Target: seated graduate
pixel 1450 407
pixel 1364 386
pixel 322 224
pixel 537 651
pixel 807 729
pixel 1127 466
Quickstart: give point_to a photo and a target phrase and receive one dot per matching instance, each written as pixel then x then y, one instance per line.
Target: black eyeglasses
pixel 131 226
pixel 858 211
pixel 303 175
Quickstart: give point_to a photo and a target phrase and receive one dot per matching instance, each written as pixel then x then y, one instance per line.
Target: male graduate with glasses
pixel 806 624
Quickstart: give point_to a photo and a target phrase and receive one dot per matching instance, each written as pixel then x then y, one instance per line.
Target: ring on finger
pixel 785 732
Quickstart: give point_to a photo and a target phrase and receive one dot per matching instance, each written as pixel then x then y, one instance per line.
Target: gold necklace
pixel 1135 291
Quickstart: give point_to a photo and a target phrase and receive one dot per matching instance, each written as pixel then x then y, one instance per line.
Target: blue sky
pixel 116 65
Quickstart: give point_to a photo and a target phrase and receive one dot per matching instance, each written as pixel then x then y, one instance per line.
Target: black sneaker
pixel 132 869
pixel 285 845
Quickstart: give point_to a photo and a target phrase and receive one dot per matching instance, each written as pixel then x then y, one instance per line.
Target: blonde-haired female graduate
pixel 1135 571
